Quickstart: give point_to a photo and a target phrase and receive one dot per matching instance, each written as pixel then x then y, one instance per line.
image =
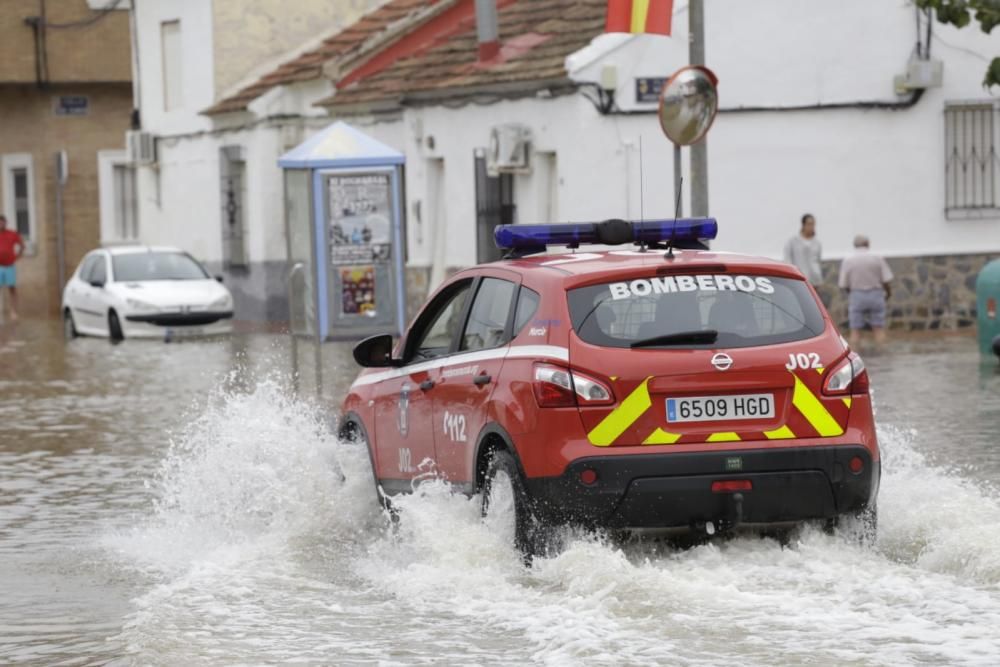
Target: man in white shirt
pixel 804 251
pixel 866 278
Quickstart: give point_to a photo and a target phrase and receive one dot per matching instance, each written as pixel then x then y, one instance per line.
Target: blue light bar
pixel 608 232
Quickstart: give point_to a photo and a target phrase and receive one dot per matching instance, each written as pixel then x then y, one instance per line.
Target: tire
pixel 860 527
pixel 69 326
pixel 506 505
pixel 353 433
pixel 115 327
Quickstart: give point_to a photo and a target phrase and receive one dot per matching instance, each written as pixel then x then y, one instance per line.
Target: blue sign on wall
pixel 647 88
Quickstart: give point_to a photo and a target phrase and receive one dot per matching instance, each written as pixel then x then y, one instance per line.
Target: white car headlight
pixel 225 301
pixel 137 304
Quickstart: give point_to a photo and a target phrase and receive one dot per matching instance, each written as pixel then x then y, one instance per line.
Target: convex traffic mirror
pixel 688 104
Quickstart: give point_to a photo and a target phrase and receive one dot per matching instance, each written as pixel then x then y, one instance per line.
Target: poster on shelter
pixel 357 290
pixel 360 222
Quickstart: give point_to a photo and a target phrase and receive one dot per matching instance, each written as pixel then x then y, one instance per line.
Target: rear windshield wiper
pixel 699 337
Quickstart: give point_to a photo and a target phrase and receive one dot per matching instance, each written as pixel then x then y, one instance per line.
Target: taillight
pixel 850 377
pixel 732 486
pixel 557 387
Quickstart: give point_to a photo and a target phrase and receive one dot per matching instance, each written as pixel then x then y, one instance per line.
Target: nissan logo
pixel 722 361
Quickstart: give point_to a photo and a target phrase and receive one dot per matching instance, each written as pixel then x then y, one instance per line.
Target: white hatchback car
pixel 141 291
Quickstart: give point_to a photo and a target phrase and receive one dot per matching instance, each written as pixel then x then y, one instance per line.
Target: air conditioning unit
pixel 141 147
pixel 510 146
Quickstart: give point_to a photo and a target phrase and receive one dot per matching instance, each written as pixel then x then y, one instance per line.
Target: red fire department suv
pixel 655 386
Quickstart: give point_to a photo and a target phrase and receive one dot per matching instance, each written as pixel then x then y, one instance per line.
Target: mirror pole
pixel 699 151
pixel 678 195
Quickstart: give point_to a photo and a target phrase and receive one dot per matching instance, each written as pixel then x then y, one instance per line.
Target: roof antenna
pixel 677 212
pixel 642 213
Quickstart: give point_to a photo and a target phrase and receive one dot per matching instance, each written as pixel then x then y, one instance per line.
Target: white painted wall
pixel 195 18
pixel 875 172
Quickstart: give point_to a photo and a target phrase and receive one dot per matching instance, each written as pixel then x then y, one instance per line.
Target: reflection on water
pixel 172 504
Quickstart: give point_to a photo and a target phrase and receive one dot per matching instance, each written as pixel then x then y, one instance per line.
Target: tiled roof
pixel 309 65
pixel 536 37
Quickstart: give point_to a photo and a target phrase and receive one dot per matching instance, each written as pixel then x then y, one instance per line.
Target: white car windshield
pixel 139 266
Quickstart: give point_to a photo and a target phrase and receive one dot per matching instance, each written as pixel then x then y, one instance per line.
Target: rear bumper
pixel 674 490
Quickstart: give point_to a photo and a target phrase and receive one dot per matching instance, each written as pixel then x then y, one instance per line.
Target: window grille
pixel 971 188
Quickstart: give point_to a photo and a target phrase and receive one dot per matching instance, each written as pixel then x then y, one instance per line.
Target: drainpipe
pixel 486 30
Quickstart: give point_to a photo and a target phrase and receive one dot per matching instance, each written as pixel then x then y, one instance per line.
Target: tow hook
pixel 738 509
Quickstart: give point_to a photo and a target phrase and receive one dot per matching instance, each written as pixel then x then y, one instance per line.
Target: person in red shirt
pixel 11 247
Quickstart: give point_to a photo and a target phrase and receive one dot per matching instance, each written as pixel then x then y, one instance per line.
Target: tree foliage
pixel 961 13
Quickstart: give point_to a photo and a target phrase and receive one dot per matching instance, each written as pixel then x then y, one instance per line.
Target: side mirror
pixel 375 352
pixel 97 283
pixel 219 278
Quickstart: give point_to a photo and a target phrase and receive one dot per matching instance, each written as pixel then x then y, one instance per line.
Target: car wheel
pixel 69 326
pixel 860 527
pixel 508 509
pixel 115 327
pixel 352 433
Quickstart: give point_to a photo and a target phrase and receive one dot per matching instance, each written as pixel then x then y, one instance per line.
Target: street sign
pixel 647 89
pixel 72 105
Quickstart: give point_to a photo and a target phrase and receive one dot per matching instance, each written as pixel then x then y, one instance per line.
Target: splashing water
pixel 266 544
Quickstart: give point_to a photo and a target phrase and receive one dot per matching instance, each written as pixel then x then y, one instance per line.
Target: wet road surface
pixel 174 505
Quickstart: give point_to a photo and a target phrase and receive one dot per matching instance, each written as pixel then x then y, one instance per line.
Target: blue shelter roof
pixel 340 145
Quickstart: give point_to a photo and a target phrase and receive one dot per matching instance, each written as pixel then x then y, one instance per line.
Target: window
pixel 232 165
pixel 744 310
pixel 443 323
pixel 170 56
pixel 19 196
pixel 487 324
pixel 527 304
pixel 494 206
pixel 99 271
pixel 126 218
pixel 138 266
pixel 87 267
pixel 970 160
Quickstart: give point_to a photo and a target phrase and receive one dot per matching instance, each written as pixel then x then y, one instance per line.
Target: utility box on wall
pixel 343 216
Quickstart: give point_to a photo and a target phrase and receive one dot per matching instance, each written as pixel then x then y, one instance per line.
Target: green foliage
pixel 960 13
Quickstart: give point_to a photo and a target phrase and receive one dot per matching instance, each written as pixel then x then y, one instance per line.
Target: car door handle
pixel 482 379
pixel 427 385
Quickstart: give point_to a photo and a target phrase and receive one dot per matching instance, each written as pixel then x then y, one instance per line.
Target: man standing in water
pixel 804 251
pixel 11 248
pixel 866 278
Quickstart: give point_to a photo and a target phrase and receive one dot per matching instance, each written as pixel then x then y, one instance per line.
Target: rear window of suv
pixel 695 311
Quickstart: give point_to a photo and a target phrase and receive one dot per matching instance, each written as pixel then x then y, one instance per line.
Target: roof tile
pixel 309 64
pixel 566 25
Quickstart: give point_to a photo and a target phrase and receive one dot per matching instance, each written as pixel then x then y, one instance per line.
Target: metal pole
pixel 60 221
pixel 678 194
pixel 699 151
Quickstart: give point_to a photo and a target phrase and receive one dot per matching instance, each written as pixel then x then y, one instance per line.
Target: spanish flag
pixel 640 16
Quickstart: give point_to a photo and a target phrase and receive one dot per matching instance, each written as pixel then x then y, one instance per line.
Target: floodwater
pixel 172 504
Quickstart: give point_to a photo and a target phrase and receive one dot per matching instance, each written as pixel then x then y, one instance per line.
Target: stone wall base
pixel 929 292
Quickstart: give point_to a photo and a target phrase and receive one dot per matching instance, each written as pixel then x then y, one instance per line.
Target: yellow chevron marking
pixel 847 401
pixel 661 437
pixel 814 412
pixel 820 370
pixel 621 417
pixel 726 436
pixel 614 378
pixel 640 9
pixel 783 433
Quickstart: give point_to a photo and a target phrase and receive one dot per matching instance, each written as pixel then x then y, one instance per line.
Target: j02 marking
pixel 405 460
pixel 803 360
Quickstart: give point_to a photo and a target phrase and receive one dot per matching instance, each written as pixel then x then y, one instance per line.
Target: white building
pixel 216 190
pixel 812 121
